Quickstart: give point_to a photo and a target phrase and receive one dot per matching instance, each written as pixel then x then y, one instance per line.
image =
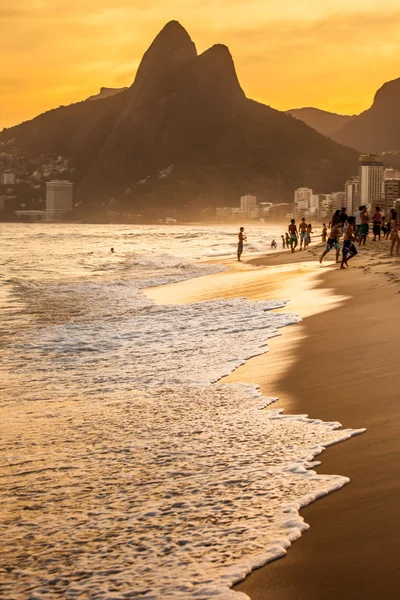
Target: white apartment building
pixel 8 178
pixel 391 174
pixel 352 195
pixel 371 180
pixel 314 205
pixel 302 199
pixel 59 196
pixel 248 204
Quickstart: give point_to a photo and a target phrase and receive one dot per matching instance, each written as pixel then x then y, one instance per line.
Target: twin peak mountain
pixel 184 134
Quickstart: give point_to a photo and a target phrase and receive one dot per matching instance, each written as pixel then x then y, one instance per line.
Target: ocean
pixel 128 469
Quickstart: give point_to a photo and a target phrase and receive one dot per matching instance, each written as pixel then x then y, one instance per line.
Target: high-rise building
pixel 371 180
pixel 391 194
pixel 352 195
pixel 8 178
pixel 58 198
pixel 314 205
pixel 338 200
pixel 248 204
pixel 302 199
pixel 391 174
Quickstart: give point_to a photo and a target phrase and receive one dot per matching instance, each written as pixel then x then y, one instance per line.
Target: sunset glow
pixel 333 54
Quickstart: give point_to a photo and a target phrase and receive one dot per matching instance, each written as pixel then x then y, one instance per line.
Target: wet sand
pixel 340 363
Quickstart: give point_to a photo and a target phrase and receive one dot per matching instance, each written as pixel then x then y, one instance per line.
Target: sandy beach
pixel 340 363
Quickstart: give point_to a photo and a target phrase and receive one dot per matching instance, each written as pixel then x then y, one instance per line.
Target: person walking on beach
pixel 287 238
pixel 358 222
pixel 349 249
pixel 377 223
pixel 364 228
pixel 324 232
pixel 303 233
pixel 335 219
pixel 394 233
pixel 242 238
pixel 283 242
pixel 308 236
pixel 293 238
pixel 333 242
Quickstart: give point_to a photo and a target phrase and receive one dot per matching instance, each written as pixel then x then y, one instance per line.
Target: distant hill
pixel 185 133
pixel 323 121
pixel 378 128
pixel 105 92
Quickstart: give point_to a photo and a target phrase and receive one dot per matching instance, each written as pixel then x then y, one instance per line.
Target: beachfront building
pixel 371 180
pixel 391 174
pixel 8 178
pixel 337 200
pixel 302 200
pixel 229 213
pixel 391 194
pixel 314 205
pixel 352 195
pixel 248 204
pixel 59 195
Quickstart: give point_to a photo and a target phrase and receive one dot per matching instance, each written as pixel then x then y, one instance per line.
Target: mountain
pixel 185 133
pixel 378 128
pixel 105 92
pixel 323 121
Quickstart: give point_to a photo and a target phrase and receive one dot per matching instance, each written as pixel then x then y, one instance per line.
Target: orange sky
pixel 332 54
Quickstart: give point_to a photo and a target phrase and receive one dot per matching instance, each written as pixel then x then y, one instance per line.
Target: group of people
pixel 354 229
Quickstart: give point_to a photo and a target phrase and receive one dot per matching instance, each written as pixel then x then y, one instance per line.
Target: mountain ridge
pixel 323 121
pixel 377 129
pixel 185 115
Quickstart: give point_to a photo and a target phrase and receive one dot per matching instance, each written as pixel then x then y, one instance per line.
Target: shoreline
pixel 333 292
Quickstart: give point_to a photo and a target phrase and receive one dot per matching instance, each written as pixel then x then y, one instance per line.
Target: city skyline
pixel 289 55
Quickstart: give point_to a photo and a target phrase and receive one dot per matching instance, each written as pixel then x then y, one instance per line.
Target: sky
pixel 331 54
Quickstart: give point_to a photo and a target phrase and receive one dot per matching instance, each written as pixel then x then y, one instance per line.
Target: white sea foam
pixel 129 470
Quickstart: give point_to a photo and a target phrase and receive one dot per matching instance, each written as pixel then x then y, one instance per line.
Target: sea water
pixel 128 470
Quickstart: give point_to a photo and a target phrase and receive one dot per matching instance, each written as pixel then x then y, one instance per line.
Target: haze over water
pixel 127 469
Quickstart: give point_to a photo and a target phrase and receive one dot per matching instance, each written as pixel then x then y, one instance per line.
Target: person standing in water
pixel 324 232
pixel 287 240
pixel 283 242
pixel 303 233
pixel 273 244
pixel 293 238
pixel 349 249
pixel 242 238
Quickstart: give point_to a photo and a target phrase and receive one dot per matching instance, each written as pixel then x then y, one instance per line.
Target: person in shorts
pixel 377 223
pixel 349 249
pixel 293 236
pixel 364 228
pixel 303 233
pixel 333 242
pixel 358 221
pixel 242 238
